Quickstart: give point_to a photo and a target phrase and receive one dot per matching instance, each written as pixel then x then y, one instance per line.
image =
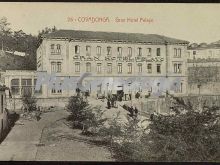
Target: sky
pixel 192 22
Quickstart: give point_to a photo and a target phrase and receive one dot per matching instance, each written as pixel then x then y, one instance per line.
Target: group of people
pixel 133 111
pixel 111 101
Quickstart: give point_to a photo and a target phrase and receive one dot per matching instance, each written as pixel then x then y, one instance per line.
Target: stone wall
pixel 16 103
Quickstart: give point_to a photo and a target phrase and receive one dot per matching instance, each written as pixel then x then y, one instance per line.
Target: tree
pixel 5 30
pixel 186 135
pixel 76 106
pixel 21 43
pixel 46 30
pixel 29 102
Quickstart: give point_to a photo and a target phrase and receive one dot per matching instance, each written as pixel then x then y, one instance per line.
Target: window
pixel 158 68
pixel 179 52
pixel 177 68
pixel 129 51
pixel 77 67
pixel 35 91
pixel 149 68
pixel 139 51
pixel 58 48
pixel 98 50
pixel 52 48
pixel 158 51
pixel 119 51
pixel 178 87
pixel 56 91
pixel 109 50
pixel 15 86
pixel 98 67
pixel 77 49
pixel 53 66
pixel 58 66
pixel 194 52
pixel 88 67
pixel 181 87
pixel 140 68
pixel 26 87
pixel 109 68
pixel 88 50
pixel 119 67
pixel 149 51
pixel 55 50
pixel 53 90
pixel 129 68
pixel 175 52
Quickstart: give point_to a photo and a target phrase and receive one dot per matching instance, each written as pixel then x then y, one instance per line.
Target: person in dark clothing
pixel 108 104
pixel 112 101
pixel 129 96
pixel 151 116
pixel 131 111
pixel 136 111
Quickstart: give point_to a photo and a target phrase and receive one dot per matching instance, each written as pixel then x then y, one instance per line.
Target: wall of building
pixel 4 123
pixel 204 53
pixel 204 80
pixel 68 59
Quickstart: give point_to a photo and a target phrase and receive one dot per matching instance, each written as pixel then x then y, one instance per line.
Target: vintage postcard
pixel 109 82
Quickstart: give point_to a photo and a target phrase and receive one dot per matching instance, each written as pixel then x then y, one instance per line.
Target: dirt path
pixel 61 143
pixel 49 139
pixel 21 143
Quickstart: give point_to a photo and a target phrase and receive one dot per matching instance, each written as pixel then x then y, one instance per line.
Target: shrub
pixel 76 106
pixel 94 120
pixel 130 140
pixel 29 103
pixel 186 135
pixel 83 116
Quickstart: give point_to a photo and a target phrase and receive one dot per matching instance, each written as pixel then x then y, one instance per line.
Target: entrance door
pixel 120 95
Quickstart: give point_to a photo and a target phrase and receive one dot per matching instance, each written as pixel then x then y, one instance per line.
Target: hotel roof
pixel 202 46
pixel 114 36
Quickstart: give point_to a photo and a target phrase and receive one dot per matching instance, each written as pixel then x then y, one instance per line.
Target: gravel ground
pixel 61 143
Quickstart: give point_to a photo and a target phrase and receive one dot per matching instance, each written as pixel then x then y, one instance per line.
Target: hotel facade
pixel 118 62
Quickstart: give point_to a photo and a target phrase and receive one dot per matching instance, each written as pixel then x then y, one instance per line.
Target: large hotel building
pixel 114 59
pixel 127 62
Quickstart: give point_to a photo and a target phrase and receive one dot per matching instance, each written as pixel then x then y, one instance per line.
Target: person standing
pixel 136 111
pixel 108 104
pixel 112 101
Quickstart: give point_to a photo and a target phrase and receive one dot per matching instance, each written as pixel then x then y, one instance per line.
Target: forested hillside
pixel 19 41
